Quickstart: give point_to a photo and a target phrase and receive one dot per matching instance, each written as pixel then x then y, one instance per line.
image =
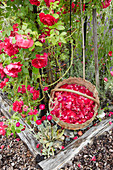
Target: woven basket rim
pixel 79 81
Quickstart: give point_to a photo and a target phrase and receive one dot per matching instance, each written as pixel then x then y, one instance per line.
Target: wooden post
pixel 95 48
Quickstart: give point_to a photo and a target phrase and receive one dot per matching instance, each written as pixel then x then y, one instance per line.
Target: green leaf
pixel 13 129
pixel 35 70
pixel 60 27
pixel 18 130
pixel 28 31
pixel 62 39
pixel 25 70
pixel 37 43
pixel 13 40
pixel 55 16
pixel 63 33
pixel 8 133
pixel 34 118
pixel 24 27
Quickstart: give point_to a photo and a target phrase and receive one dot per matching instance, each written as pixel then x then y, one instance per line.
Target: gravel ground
pixel 97 156
pixel 14 154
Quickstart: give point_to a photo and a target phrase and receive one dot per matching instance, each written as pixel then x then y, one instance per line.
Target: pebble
pixel 0 156
pixel 12 164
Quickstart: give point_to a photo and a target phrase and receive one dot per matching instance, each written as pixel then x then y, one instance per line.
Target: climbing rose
pixel 23 41
pixel 9 48
pixel 42 38
pixel 2 84
pixel 35 2
pixel 47 19
pixel 22 90
pixel 17 106
pixel 35 94
pixel 1 46
pixel 40 61
pixel 2 71
pixel 106 3
pixel 49 1
pixel 13 69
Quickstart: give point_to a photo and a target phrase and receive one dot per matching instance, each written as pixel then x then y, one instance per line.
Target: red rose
pixel 13 69
pixel 35 2
pixel 23 41
pixel 22 90
pixel 42 38
pixel 2 84
pixel 49 1
pixel 17 106
pixel 35 94
pixel 47 19
pixel 40 61
pixel 2 71
pixel 9 48
pixel 1 46
pixel 106 3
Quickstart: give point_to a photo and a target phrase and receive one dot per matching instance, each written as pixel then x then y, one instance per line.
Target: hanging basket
pixel 81 82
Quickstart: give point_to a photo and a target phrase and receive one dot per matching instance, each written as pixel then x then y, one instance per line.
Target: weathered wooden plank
pixel 26 136
pixel 56 162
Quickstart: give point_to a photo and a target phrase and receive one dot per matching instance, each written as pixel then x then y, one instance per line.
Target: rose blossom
pixel 106 3
pixel 1 46
pixel 49 1
pixel 47 19
pixel 42 38
pixel 23 41
pixel 13 69
pixel 2 71
pixel 40 61
pixel 35 94
pixel 22 90
pixel 2 84
pixel 35 2
pixel 9 47
pixel 17 106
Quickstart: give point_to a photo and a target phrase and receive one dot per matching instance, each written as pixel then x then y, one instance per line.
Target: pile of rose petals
pixel 73 108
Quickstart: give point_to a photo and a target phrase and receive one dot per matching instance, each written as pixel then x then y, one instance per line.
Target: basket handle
pixel 77 92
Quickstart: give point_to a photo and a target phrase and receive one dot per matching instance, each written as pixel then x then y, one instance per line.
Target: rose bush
pixel 34 53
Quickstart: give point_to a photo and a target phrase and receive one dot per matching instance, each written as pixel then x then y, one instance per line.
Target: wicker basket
pixel 90 87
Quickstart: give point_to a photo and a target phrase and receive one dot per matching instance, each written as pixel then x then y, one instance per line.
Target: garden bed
pixel 70 150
